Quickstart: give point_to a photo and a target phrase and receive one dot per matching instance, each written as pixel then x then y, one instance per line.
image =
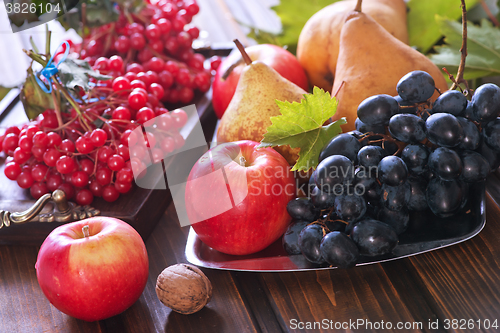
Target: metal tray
pixel 426 232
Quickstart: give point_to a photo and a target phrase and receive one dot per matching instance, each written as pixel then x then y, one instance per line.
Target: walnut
pixel 183 288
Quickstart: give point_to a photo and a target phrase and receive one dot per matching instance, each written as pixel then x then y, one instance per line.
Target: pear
pixel 254 103
pixel 318 45
pixel 372 61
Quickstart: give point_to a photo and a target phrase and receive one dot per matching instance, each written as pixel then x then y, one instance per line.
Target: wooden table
pixel 460 282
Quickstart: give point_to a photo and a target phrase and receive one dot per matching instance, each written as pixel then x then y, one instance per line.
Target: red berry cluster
pixel 156 44
pixel 100 162
pixel 93 149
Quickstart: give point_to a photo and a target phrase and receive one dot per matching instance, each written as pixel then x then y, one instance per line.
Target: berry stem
pixel 244 53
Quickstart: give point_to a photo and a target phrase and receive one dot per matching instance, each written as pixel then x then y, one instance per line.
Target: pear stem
pixel 85 231
pixel 244 53
pixel 358 6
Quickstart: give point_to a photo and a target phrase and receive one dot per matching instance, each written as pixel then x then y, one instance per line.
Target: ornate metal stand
pixel 62 211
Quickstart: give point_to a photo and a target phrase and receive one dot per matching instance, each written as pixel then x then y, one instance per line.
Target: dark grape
pixel 491 134
pixel 415 157
pixel 491 155
pixel 445 163
pixel 320 199
pixel 416 87
pixel 418 201
pixel 309 243
pixel 350 207
pixel 443 129
pixel 444 197
pixel 405 107
pixel 486 102
pixel 291 237
pixel 451 101
pixel 407 128
pixel 377 110
pixel 392 171
pixel 374 237
pixel 370 156
pixel 395 197
pixel 302 209
pixel 364 128
pixel 475 167
pixel 469 112
pixel 334 172
pixel 368 187
pixel 398 220
pixel 343 144
pixel 339 250
pixel 471 138
pixel 335 225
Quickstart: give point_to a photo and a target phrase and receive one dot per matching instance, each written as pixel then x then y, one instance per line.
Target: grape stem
pixel 463 50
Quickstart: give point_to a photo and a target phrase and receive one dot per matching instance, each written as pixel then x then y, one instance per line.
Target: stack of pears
pixel 254 103
pixel 318 45
pixel 371 61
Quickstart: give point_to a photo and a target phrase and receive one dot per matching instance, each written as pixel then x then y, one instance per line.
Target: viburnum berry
pixel 116 63
pixel 109 193
pixel 137 99
pixel 144 114
pixel 65 165
pixel 38 189
pixel 39 172
pixel 121 83
pixel 98 137
pixel 121 113
pixel 179 117
pixel 12 170
pixel 84 197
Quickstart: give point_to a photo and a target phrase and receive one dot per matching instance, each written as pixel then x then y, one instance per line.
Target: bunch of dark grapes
pixel 407 154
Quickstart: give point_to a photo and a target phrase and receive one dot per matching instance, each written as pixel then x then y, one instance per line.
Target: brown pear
pixel 254 103
pixel 372 61
pixel 318 45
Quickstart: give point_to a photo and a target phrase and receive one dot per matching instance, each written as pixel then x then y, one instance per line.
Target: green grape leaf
pixel 35 100
pixel 423 30
pixel 294 15
pixel 300 125
pixel 76 73
pixel 483 49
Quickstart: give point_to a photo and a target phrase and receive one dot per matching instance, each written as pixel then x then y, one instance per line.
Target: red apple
pixel 93 277
pixel 228 73
pixel 236 197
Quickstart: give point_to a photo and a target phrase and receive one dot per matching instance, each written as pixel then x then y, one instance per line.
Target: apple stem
pixel 244 54
pixel 243 161
pixel 85 230
pixel 358 6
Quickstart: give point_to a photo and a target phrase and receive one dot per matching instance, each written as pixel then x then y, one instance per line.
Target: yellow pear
pixel 318 45
pixel 254 103
pixel 372 61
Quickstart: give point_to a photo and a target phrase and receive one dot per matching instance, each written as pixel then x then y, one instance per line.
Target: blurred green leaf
pixel 483 49
pixel 34 99
pixel 294 15
pixel 423 30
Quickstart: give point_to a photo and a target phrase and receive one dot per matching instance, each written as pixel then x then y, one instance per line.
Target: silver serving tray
pixel 425 233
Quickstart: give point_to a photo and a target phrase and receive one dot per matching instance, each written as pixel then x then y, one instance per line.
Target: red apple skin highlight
pixel 97 277
pixel 260 218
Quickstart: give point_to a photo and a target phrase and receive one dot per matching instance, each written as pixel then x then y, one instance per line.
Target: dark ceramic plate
pixel 426 232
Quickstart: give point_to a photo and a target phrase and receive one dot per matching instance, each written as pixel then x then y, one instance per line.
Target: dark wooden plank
pixel 463 279
pixel 336 295
pixel 226 312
